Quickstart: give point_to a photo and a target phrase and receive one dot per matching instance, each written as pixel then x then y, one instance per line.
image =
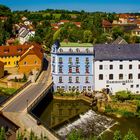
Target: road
pixel 21 102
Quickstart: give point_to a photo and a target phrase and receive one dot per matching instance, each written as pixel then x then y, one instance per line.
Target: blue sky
pixel 87 5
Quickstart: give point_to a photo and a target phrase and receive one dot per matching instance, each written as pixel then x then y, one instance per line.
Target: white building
pixel 117 67
pixel 25 34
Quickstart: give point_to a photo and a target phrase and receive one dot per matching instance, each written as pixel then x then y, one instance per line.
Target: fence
pixel 15 93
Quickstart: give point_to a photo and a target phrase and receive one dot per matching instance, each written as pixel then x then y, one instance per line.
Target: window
pixel 60 60
pixel 77 79
pixel 87 69
pixel 87 60
pixel 139 76
pixel 25 63
pixel 100 76
pixel 77 69
pixel 70 79
pixel 77 60
pixel 53 68
pixel 9 63
pixel 77 88
pixel 60 80
pixel 137 86
pixel 77 50
pixel 53 60
pixel 70 50
pixel 87 50
pixel 70 88
pixel 86 80
pixel 111 67
pixel 58 87
pixel 89 88
pixel 120 76
pixel 35 62
pixel 70 60
pixel 121 66
pixel 130 66
pixel 130 76
pixel 100 67
pixel 60 69
pixel 110 76
pixel 84 88
pixel 131 86
pixel 70 69
pixel 61 50
pixel 138 66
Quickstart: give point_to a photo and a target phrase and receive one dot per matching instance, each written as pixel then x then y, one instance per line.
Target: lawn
pixel 7 91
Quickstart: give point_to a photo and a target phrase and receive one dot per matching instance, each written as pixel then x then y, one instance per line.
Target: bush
pixel 123 95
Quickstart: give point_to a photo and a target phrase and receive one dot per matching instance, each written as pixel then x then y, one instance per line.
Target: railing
pixel 38 120
pixel 15 93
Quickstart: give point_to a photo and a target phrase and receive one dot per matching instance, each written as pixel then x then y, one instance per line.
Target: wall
pixel 114 87
pixel 30 64
pixel 1 71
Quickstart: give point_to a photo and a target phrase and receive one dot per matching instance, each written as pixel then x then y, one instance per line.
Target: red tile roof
pixel 33 50
pixel 106 23
pixel 15 50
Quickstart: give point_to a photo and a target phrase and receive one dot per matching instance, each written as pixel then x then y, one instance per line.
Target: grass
pixel 7 91
pixel 73 44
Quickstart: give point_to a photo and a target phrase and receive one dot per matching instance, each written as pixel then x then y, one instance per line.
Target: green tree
pixel 74 135
pixel 2 134
pixel 117 135
pixel 57 34
pixel 87 36
pixel 117 31
pixel 130 136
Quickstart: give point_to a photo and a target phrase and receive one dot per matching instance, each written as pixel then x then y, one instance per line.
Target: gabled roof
pixel 33 50
pixel 119 40
pixel 15 50
pixel 117 52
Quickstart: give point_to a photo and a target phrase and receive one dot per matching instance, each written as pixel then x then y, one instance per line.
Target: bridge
pixel 16 108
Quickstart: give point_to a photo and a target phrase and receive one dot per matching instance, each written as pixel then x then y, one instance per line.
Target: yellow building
pixel 1 69
pixel 31 60
pixel 10 55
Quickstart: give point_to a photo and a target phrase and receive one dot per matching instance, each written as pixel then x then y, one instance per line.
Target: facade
pixel 114 67
pixel 136 32
pixel 31 60
pixel 1 69
pixel 117 67
pixel 72 66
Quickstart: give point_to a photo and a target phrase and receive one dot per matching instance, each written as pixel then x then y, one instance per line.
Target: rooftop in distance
pixel 73 44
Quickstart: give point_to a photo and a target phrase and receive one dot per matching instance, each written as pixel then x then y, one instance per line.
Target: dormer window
pixel 6 51
pixel 61 50
pixel 70 50
pixel 77 50
pixel 19 49
pixel 87 50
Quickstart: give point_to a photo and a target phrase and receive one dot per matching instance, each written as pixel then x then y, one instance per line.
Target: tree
pixel 130 136
pixel 2 134
pixel 57 34
pixel 74 135
pixel 117 135
pixel 117 31
pixel 87 36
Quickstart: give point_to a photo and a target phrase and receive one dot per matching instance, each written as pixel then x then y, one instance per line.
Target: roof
pixel 15 50
pixel 106 23
pixel 117 52
pixel 1 64
pixel 73 44
pixel 119 40
pixel 33 50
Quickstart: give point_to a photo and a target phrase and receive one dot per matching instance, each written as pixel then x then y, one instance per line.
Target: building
pixel 114 67
pixel 24 34
pixel 11 55
pixel 31 60
pixel 1 69
pixel 72 66
pixel 136 32
pixel 117 67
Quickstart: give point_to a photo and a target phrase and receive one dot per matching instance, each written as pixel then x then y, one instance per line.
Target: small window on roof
pixel 19 49
pixel 6 51
pixel 70 50
pixel 61 50
pixel 87 50
pixel 77 50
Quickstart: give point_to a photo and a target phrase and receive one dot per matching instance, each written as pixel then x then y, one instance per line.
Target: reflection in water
pixel 59 111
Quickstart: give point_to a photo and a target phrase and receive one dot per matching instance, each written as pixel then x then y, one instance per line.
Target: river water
pixel 63 116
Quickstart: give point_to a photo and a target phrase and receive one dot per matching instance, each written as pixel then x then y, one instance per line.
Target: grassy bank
pixel 7 91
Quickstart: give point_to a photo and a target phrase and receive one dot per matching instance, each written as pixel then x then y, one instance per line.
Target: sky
pixel 87 5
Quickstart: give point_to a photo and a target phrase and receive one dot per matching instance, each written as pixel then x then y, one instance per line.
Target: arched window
pixel 110 76
pixel 130 76
pixel 100 76
pixel 120 76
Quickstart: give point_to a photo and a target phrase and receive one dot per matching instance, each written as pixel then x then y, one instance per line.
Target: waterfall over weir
pixel 89 123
